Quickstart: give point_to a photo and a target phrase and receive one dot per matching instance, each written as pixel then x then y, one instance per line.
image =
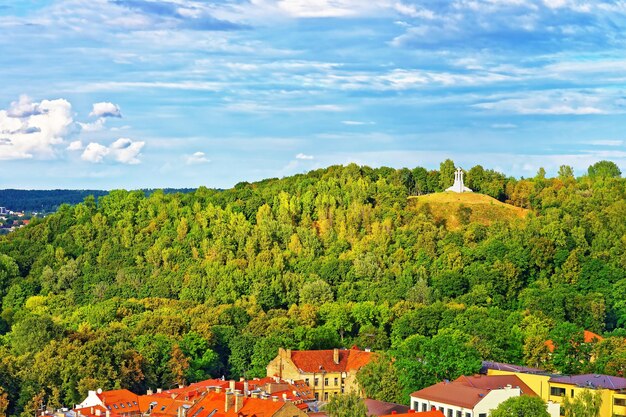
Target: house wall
pixel 91 401
pixel 608 407
pixel 417 404
pixel 494 398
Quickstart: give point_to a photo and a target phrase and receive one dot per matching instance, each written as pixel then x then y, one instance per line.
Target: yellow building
pixel 555 388
pixel 326 372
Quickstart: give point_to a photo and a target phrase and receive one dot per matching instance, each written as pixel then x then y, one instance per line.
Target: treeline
pixel 48 201
pixel 141 291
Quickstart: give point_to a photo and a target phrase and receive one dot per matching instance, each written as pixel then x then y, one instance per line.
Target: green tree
pixel 379 380
pixel 522 406
pixel 317 292
pixel 587 403
pixel 604 169
pixel 346 405
pixel 446 174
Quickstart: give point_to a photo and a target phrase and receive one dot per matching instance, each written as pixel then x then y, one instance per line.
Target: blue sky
pixel 181 93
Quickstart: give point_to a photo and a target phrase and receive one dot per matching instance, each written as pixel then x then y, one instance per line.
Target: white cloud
pixel 126 151
pixel 122 150
pixel 555 102
pixel 93 127
pixel 106 109
pixel 304 157
pixel 606 142
pixel 77 145
pixel 197 158
pixel 30 129
pixel 355 123
pixel 94 153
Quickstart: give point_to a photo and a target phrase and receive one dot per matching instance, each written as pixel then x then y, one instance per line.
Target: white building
pixel 460 400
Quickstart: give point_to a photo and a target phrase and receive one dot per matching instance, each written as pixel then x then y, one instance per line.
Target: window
pixel 459 413
pixel 424 406
pixel 317 396
pixel 468 414
pixel 163 408
pixel 129 404
pixel 620 401
pixel 441 409
pixel 326 396
pixel 306 380
pixel 482 415
pixel 317 381
pixel 450 412
pixel 557 392
pixel 122 404
pixel 325 382
pixel 416 405
pixel 336 381
pixel 572 393
pixel 115 406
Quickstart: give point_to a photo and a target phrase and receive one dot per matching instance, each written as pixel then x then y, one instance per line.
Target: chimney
pixel 228 404
pixel 254 394
pixel 218 389
pixel 231 384
pixel 284 397
pixel 91 409
pixel 149 392
pixel 275 398
pixel 159 390
pixel 246 388
pixel 238 402
pixel 98 412
pixel 394 412
pixel 336 356
pixel 108 413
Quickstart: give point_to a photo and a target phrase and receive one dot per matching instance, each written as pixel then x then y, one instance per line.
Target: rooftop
pixel 314 361
pixel 491 382
pixel 460 395
pixel 592 381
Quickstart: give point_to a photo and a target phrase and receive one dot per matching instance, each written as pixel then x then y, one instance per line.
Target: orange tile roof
pixel 314 361
pixel 454 394
pixel 95 411
pixel 120 401
pixel 491 382
pixel 213 404
pixel 588 337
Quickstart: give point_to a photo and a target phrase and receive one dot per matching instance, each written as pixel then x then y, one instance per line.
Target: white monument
pixel 458 186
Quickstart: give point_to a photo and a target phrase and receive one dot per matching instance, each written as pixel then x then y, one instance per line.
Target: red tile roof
pixel 491 382
pixel 322 360
pixel 588 336
pixel 460 395
pixel 120 401
pixel 381 408
pixel 213 404
pixel 95 411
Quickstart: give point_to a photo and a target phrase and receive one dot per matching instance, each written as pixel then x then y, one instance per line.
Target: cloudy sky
pixel 182 93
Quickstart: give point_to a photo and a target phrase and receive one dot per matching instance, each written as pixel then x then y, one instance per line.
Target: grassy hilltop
pixel 457 209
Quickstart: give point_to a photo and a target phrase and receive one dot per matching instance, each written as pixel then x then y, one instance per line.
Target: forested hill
pixel 141 291
pixel 47 201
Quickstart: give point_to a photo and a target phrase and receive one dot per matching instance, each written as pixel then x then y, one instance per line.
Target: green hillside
pixel 137 291
pixel 456 209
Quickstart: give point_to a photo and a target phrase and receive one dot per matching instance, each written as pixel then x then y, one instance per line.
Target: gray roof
pixel 592 381
pixel 499 366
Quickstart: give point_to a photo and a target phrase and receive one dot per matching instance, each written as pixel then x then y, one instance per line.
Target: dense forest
pixel 47 201
pixel 141 291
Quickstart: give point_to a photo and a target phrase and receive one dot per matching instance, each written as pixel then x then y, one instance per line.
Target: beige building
pixel 326 372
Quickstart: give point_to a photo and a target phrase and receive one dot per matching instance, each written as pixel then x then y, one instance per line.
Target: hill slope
pixel 456 209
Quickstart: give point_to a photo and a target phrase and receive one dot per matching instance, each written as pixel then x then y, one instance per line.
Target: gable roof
pixel 314 361
pixel 592 381
pixel 120 401
pixel 491 382
pixel 381 408
pixel 213 405
pixel 460 395
pixel 500 366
